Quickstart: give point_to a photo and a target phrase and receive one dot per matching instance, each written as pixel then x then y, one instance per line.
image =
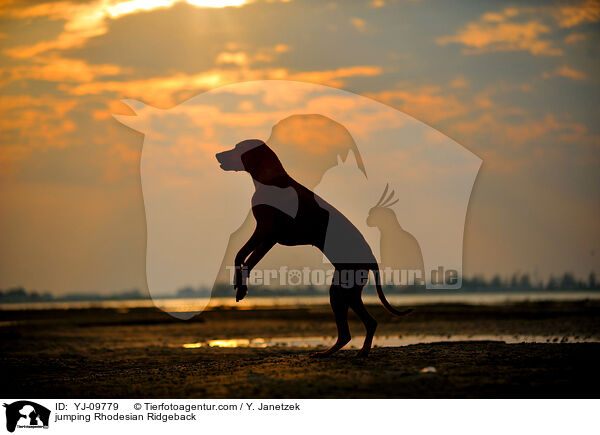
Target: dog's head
pixel 254 157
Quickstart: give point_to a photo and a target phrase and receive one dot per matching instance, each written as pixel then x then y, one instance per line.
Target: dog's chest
pixel 282 199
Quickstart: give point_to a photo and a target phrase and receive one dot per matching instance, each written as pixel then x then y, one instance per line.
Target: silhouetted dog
pixel 290 214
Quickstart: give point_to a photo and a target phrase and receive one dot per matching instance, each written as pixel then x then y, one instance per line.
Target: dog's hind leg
pixel 338 298
pixel 370 323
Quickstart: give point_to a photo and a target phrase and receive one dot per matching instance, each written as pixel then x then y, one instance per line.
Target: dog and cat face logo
pixel 25 414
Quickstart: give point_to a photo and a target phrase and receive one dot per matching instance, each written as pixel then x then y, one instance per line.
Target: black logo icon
pixel 26 414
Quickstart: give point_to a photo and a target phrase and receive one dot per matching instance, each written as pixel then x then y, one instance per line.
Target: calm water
pixel 380 341
pixel 199 304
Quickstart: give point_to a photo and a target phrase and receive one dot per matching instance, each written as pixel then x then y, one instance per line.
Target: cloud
pixel 88 20
pixel 428 104
pixel 499 162
pixel 229 58
pixel 496 32
pixel 575 37
pixel 359 24
pixel 460 82
pixel 566 71
pixel 516 134
pixel 243 58
pixel 377 3
pixel 524 28
pixel 282 48
pixel 57 69
pixel 112 107
pixel 333 77
pixel 573 14
pixel 359 113
pixel 509 145
pixel 82 22
pixel 167 91
pixel 28 123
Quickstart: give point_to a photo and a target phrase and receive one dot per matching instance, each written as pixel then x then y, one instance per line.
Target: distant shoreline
pixel 174 304
pixel 518 283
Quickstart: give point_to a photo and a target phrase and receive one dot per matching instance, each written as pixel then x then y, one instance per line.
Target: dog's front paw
pixel 241 292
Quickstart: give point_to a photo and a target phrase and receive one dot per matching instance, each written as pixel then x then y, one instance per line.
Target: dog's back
pixel 344 243
pixel 304 218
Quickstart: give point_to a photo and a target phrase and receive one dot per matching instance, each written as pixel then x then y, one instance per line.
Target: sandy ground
pixel 140 353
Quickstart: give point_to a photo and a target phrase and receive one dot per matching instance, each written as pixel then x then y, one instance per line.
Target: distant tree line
pixel 523 282
pixel 517 282
pixel 19 294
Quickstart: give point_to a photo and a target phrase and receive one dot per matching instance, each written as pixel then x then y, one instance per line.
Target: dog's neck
pixel 281 180
pixel 271 176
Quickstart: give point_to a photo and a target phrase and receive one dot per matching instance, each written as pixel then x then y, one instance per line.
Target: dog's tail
pixel 382 298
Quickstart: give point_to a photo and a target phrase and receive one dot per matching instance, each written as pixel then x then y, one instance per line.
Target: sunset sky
pixel 518 84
